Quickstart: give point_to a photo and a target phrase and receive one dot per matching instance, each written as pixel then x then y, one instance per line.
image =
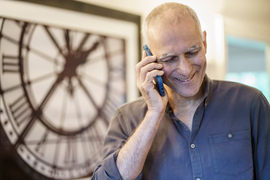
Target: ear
pixel 204 41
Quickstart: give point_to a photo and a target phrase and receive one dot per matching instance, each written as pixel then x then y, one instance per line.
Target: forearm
pixel 131 157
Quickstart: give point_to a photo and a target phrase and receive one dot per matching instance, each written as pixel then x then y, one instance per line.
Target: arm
pixel 124 158
pixel 131 158
pixel 115 139
pixel 261 138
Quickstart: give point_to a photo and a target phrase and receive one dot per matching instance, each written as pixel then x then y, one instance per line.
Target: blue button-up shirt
pixel 229 140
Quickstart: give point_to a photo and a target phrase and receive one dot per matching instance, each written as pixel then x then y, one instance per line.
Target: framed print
pixel 63 70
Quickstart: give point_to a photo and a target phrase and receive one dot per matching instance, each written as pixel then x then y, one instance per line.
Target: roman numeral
pixel 5 121
pixel 10 64
pixel 71 153
pixel 41 145
pixel 20 110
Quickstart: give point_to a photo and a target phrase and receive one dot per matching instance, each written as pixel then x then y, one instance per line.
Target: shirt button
pixel 198 178
pixel 230 136
pixel 192 146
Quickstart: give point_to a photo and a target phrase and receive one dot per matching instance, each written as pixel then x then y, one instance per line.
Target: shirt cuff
pixel 110 167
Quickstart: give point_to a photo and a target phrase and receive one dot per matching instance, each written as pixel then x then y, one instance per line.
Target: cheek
pixel 167 70
pixel 200 61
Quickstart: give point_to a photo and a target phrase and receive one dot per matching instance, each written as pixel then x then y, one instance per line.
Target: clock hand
pixel 73 60
pixel 68 40
pixel 85 38
pixel 50 92
pixel 85 54
pixel 53 39
pixel 87 92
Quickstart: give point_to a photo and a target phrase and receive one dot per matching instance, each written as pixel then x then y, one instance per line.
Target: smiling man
pixel 201 128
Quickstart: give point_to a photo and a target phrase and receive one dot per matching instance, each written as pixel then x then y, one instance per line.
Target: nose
pixel 184 67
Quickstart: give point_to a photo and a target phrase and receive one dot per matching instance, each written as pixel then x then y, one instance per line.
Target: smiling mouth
pixel 185 80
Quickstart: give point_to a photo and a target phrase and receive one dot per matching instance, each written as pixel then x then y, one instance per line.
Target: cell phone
pixel 158 80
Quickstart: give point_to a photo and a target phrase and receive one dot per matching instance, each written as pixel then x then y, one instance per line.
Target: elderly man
pixel 201 129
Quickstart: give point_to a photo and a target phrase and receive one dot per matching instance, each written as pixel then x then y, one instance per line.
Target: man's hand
pixel 146 70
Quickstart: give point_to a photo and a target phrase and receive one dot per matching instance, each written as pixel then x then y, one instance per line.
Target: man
pixel 201 129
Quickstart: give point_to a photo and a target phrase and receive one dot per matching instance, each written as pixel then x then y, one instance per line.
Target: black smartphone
pixel 157 79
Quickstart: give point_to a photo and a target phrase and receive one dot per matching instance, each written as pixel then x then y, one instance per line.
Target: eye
pixel 170 59
pixel 192 53
pixel 189 54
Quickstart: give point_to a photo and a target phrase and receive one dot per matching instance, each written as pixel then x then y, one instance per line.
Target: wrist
pixel 156 110
pixel 155 115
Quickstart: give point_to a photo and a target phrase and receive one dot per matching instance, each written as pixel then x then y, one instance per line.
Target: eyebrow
pixel 165 56
pixel 193 48
pixel 173 54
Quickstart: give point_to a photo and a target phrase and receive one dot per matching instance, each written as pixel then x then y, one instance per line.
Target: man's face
pixel 181 50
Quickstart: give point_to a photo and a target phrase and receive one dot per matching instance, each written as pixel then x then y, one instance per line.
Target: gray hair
pixel 180 10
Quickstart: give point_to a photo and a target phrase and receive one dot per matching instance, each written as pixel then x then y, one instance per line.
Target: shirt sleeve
pixel 115 139
pixel 107 169
pixel 261 138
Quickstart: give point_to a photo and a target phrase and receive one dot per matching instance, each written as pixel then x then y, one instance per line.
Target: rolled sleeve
pixel 108 169
pixel 116 137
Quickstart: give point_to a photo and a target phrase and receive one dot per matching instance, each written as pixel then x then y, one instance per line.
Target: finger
pixel 146 82
pixel 148 85
pixel 145 61
pixel 149 68
pixel 150 76
pixel 144 54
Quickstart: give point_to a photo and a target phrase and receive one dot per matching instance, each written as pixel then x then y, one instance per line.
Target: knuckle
pixel 137 67
pixel 143 69
pixel 149 75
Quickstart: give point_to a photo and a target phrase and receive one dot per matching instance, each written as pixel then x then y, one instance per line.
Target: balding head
pixel 168 13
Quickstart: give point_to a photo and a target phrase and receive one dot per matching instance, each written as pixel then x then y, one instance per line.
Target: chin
pixel 188 94
pixel 188 91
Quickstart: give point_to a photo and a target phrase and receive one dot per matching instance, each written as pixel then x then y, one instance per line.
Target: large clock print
pixel 59 88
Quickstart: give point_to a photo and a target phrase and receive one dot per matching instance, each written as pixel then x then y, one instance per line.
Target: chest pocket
pixel 231 152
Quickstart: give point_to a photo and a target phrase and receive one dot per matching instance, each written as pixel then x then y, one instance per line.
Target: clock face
pixel 59 88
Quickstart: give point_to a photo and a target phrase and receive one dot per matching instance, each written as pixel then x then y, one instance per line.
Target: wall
pixel 244 18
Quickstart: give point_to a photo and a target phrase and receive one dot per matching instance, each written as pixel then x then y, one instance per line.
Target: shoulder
pixel 233 88
pixel 233 94
pixel 129 115
pixel 136 106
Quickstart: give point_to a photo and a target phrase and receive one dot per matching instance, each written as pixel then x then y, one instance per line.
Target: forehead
pixel 169 23
pixel 183 33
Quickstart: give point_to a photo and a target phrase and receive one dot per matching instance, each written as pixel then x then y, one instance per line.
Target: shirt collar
pixel 208 84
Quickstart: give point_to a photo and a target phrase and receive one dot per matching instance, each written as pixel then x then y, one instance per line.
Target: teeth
pixel 185 80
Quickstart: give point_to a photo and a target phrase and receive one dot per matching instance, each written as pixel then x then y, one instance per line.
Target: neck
pixel 184 107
